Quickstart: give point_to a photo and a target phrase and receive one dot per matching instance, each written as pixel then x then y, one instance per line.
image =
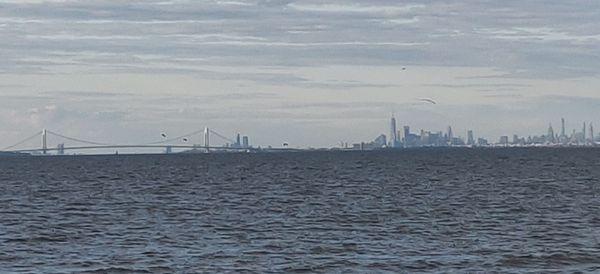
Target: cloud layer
pixel 294 68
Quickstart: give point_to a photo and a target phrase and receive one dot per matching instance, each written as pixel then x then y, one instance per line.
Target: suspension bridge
pixel 168 144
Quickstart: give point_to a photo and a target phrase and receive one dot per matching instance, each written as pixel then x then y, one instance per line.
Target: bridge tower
pixel 44 141
pixel 206 139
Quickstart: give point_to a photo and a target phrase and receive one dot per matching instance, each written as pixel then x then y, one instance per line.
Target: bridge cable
pixel 24 141
pixel 222 137
pixel 77 140
pixel 191 134
pixel 177 138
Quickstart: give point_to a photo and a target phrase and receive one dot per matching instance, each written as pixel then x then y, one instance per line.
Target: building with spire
pixel 393 141
pixel 550 135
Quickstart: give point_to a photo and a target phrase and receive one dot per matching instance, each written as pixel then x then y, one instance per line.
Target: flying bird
pixel 163 135
pixel 185 139
pixel 428 100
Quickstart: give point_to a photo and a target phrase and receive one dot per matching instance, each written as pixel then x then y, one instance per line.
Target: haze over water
pixel 422 210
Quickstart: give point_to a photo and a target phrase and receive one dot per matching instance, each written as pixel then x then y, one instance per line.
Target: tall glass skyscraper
pixel 393 133
pixel 470 138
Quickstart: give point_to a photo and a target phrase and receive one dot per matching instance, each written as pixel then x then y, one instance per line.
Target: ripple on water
pixel 410 211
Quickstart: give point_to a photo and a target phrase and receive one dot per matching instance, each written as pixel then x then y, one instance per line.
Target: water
pixel 459 210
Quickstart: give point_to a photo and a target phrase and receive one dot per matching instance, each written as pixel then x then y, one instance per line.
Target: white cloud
pixel 355 8
pixel 235 3
pixel 400 21
pixel 540 34
pixel 84 37
pixel 315 44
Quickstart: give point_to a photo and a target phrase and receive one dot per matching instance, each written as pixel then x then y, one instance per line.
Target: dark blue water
pixel 461 210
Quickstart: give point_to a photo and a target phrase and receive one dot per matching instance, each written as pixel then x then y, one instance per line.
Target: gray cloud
pixel 515 38
pixel 267 64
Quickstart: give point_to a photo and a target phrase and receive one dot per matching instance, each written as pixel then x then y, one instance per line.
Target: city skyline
pixel 396 139
pixel 430 138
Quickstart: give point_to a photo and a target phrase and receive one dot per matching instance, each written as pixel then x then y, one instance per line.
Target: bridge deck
pixel 153 146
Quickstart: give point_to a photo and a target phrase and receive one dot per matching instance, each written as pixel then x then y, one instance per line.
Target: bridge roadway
pixel 154 146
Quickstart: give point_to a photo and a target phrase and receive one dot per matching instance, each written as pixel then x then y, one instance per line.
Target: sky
pixel 310 73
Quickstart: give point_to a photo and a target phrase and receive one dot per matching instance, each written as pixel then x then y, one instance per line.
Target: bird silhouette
pixel 428 100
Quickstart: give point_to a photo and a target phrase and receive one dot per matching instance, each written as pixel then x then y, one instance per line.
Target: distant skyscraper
pixel 407 140
pixel 516 140
pixel 61 149
pixel 584 133
pixel 470 138
pixel 245 142
pixel 550 135
pixel 563 133
pixel 393 132
pixel 450 135
pixel 504 140
pixel 592 133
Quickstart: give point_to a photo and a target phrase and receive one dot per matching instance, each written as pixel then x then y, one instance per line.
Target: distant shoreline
pixel 8 154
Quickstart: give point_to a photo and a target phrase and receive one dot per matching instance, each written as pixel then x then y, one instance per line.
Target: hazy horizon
pixel 311 73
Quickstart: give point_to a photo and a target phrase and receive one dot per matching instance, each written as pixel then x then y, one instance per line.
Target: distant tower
pixel 470 138
pixel 60 149
pixel 503 140
pixel 550 136
pixel 245 142
pixel 450 135
pixel 238 142
pixel 406 141
pixel 393 132
pixel 584 133
pixel 562 129
pixel 516 139
pixel 44 141
pixel 592 133
pixel 206 138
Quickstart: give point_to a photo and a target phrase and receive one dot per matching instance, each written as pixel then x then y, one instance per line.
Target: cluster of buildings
pixel 585 137
pixel 406 139
pixel 240 142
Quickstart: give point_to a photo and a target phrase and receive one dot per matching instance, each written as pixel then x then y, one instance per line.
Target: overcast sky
pixel 312 73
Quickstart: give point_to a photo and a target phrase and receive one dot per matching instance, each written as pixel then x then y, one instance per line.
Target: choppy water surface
pixel 410 211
